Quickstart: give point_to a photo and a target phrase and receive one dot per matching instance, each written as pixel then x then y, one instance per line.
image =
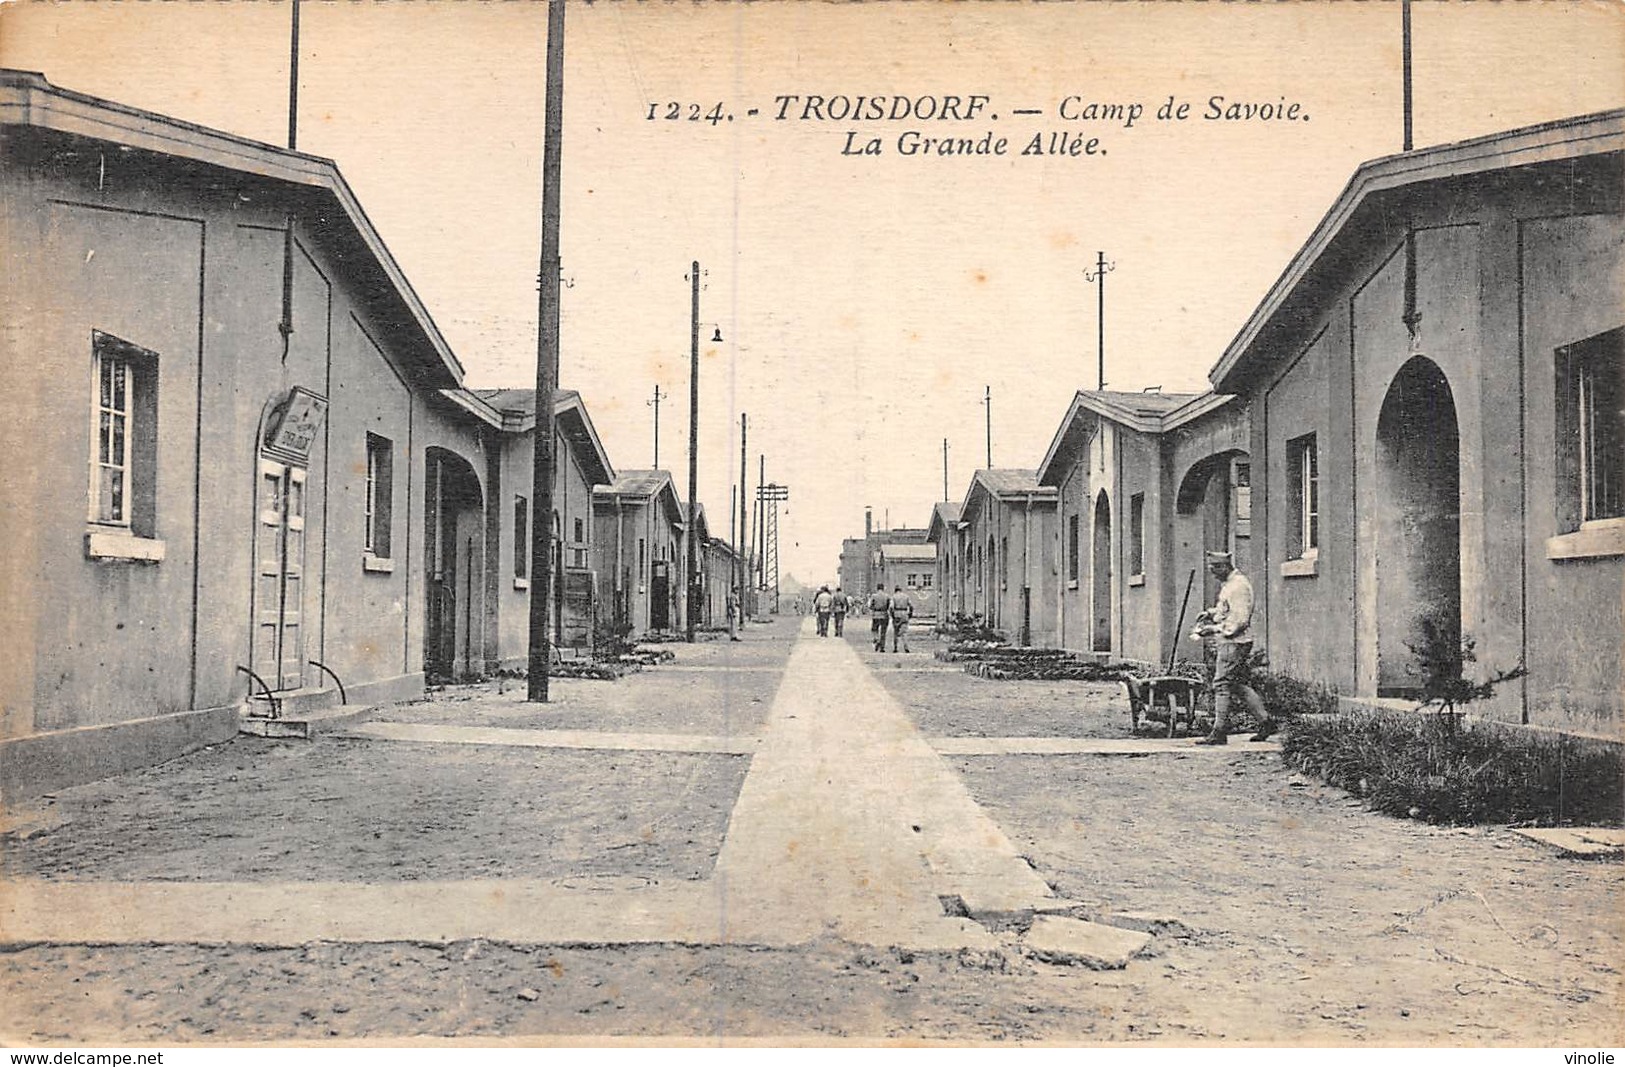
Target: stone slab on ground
pixel 1148 922
pixel 1080 943
pixel 1580 842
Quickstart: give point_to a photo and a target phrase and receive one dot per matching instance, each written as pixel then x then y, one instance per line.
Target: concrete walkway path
pixel 851 823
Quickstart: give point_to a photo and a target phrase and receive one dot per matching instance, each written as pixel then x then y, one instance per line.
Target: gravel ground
pixel 356 811
pixel 1317 915
pixel 944 701
pixel 715 687
pixel 824 991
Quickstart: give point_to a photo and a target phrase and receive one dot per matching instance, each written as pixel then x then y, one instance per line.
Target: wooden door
pixel 279 588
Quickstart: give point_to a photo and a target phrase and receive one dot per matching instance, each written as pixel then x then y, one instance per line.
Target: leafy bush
pixel 1286 697
pixel 1431 767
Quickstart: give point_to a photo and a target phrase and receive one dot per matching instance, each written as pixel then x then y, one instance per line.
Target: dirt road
pixel 1284 912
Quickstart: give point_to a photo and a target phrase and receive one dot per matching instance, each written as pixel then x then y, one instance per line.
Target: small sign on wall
pixel 295 424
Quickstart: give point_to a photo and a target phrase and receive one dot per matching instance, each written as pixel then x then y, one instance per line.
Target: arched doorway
pixel 990 564
pixel 1100 574
pixel 1214 505
pixel 1418 544
pixel 454 523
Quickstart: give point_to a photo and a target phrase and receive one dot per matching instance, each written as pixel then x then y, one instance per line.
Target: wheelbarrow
pixel 1171 698
pixel 1166 698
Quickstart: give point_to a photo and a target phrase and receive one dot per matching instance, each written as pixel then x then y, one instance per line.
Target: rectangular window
pixel 580 531
pixel 380 486
pixel 124 426
pixel 521 537
pixel 1136 534
pixel 641 564
pixel 1004 563
pixel 1244 499
pixel 926 581
pixel 1303 482
pixel 1072 548
pixel 1591 430
pixel 912 581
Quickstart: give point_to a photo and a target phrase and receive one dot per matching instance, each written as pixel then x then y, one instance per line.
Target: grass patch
pixel 1438 768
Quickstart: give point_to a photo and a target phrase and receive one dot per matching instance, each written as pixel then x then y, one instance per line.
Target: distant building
pixel 640 539
pixel 1148 482
pixel 582 464
pixel 1011 555
pixel 913 568
pixel 947 535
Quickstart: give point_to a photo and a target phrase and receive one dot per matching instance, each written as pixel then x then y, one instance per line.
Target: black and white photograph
pixel 802 523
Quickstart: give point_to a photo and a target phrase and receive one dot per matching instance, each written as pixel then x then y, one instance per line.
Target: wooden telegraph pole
pixel 547 362
pixel 692 577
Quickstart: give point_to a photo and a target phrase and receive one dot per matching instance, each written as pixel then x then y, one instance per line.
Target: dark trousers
pixel 877 627
pixel 840 623
pixel 823 624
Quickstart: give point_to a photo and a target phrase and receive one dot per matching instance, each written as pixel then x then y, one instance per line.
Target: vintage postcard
pixel 812 523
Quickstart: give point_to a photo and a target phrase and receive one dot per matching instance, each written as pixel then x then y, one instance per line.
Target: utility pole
pixel 987 402
pixel 761 523
pixel 739 544
pixel 655 403
pixel 771 495
pixel 1098 276
pixel 1405 65
pixel 1411 314
pixel 547 362
pixel 945 468
pixel 693 448
pixel 285 327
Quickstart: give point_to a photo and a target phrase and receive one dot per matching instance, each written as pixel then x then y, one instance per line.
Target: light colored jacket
pixel 1232 615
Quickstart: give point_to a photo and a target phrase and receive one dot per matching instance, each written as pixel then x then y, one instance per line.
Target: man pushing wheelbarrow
pixel 1228 623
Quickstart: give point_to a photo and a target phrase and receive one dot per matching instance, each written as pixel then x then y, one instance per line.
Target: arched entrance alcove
pixel 1418 523
pixel 1100 574
pixel 454 517
pixel 1214 509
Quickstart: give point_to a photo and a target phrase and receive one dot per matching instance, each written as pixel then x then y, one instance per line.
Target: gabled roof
pixel 944 517
pixel 28 100
pixel 1148 413
pixel 514 411
pixel 643 486
pixel 1008 481
pixel 1564 140
pixel 908 552
pixel 1005 483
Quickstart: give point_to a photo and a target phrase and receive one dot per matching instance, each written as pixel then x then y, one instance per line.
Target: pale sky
pixel 865 301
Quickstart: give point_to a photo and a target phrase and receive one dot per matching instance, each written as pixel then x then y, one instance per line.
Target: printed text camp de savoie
pixel 927 113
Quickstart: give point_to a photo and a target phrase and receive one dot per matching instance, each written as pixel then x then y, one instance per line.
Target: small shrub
pixel 1286 697
pixel 1442 661
pixel 611 639
pixel 1432 767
